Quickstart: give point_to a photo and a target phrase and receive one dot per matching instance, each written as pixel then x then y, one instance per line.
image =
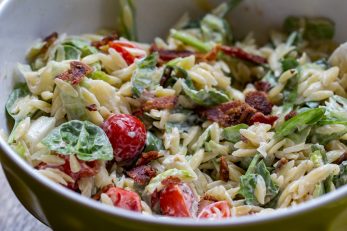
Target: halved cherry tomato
pixel 124 199
pixel 177 200
pixel 120 46
pixel 216 210
pixel 127 135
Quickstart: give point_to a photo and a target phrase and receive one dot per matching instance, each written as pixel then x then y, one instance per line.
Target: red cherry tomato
pixel 127 135
pixel 216 210
pixel 178 200
pixel 124 199
pixel 120 46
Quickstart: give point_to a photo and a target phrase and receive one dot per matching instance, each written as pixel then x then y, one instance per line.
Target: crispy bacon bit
pixel 104 189
pixel 166 75
pixel 171 180
pixel 231 113
pixel 142 174
pixel 165 102
pixel 290 115
pixel 76 72
pixel 105 40
pixel 241 54
pixel 342 158
pixel 88 169
pixel 50 39
pixel 167 55
pixel 210 56
pixel 92 107
pixel 283 161
pixel 259 101
pixel 262 86
pixel 261 118
pixel 223 169
pixel 147 157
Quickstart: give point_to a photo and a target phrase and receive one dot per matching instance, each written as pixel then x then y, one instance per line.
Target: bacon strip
pixel 167 55
pixel 290 115
pixel 259 101
pixel 76 72
pixel 231 113
pixel 142 174
pixel 262 86
pixel 241 54
pixel 223 169
pixel 147 157
pixel 342 158
pixel 165 102
pixel 104 41
pixel 261 118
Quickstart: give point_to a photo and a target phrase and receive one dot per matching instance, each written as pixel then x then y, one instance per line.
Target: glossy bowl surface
pixel 24 21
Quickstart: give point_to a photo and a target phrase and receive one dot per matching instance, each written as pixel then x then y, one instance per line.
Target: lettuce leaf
pixel 88 141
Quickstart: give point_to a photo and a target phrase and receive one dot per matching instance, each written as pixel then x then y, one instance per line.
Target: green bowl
pixel 23 21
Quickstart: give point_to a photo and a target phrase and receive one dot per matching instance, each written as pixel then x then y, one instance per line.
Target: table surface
pixel 13 216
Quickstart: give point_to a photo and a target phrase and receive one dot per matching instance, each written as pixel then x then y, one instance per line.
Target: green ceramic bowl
pixel 23 21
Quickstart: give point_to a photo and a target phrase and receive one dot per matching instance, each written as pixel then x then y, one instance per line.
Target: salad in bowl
pixel 197 125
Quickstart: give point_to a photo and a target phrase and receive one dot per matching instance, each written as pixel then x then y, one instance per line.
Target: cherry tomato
pixel 124 199
pixel 216 210
pixel 178 200
pixel 127 135
pixel 120 46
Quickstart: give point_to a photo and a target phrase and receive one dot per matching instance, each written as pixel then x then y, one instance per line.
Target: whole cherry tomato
pixel 216 210
pixel 124 199
pixel 178 200
pixel 127 135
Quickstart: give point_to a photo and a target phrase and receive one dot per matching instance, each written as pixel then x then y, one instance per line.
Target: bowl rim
pixel 163 220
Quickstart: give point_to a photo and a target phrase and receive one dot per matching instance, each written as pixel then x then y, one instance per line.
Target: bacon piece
pixel 88 169
pixel 290 115
pixel 241 54
pixel 147 157
pixel 261 118
pixel 50 39
pixel 76 72
pixel 262 86
pixel 142 174
pixel 259 101
pixel 104 41
pixel 159 103
pixel 231 113
pixel 171 180
pixel 283 161
pixel 342 158
pixel 92 107
pixel 223 169
pixel 167 55
pixel 166 75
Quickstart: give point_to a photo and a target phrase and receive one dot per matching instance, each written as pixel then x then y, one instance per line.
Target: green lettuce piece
pixel 223 9
pixel 20 91
pixel 248 181
pixel 155 183
pixel 88 141
pixel 336 108
pixel 153 143
pixel 205 97
pixel 191 40
pixel 289 63
pixel 142 77
pixel 83 46
pixel 126 20
pixel 299 122
pixel 232 133
pixel 215 29
pixel 341 179
pixel 312 28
